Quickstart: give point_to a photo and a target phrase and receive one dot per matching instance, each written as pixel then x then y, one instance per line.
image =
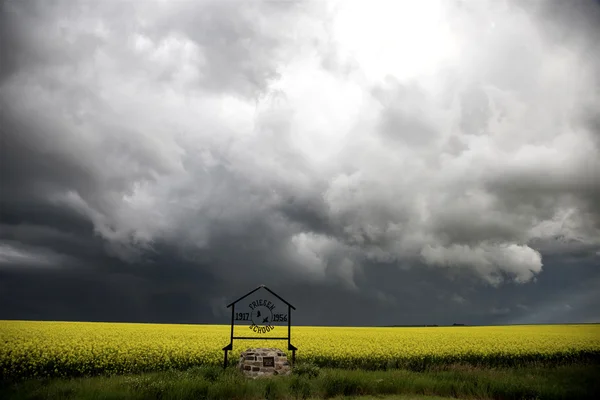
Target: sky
pixel 373 162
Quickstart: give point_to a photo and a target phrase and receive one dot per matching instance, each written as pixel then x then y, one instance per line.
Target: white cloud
pixel 434 133
pixel 488 260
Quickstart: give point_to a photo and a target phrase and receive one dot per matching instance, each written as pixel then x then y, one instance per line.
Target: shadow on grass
pixel 563 382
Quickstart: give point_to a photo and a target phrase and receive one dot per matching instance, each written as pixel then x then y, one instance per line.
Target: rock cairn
pixel 264 362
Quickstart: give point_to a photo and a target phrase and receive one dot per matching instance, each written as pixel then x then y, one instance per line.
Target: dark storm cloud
pixel 157 161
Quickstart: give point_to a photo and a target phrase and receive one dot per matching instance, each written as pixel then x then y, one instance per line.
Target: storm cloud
pixel 379 162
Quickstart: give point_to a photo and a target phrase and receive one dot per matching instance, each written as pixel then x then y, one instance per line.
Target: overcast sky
pixel 373 162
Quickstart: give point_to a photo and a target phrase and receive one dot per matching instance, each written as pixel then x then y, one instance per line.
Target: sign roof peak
pixel 261 287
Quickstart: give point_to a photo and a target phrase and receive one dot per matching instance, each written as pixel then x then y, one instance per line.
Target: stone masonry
pixel 264 362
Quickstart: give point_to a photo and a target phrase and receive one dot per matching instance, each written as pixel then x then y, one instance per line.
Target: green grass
pixel 561 382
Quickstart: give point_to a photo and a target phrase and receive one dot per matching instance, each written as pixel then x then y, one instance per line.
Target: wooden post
pixel 230 345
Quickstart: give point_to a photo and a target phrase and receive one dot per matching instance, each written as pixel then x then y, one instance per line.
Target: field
pixel 67 349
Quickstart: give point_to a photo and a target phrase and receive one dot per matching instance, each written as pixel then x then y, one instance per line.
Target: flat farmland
pixel 67 349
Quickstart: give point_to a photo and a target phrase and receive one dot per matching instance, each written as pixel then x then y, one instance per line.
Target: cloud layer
pixel 303 140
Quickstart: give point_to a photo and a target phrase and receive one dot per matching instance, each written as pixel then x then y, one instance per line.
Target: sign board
pixel 268 361
pixel 261 314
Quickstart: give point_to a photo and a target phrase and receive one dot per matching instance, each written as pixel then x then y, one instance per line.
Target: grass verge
pixel 561 382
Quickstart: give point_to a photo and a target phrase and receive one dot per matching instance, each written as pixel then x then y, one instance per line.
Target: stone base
pixel 264 362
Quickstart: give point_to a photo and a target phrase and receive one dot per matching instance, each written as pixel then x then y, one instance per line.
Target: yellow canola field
pixel 76 348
